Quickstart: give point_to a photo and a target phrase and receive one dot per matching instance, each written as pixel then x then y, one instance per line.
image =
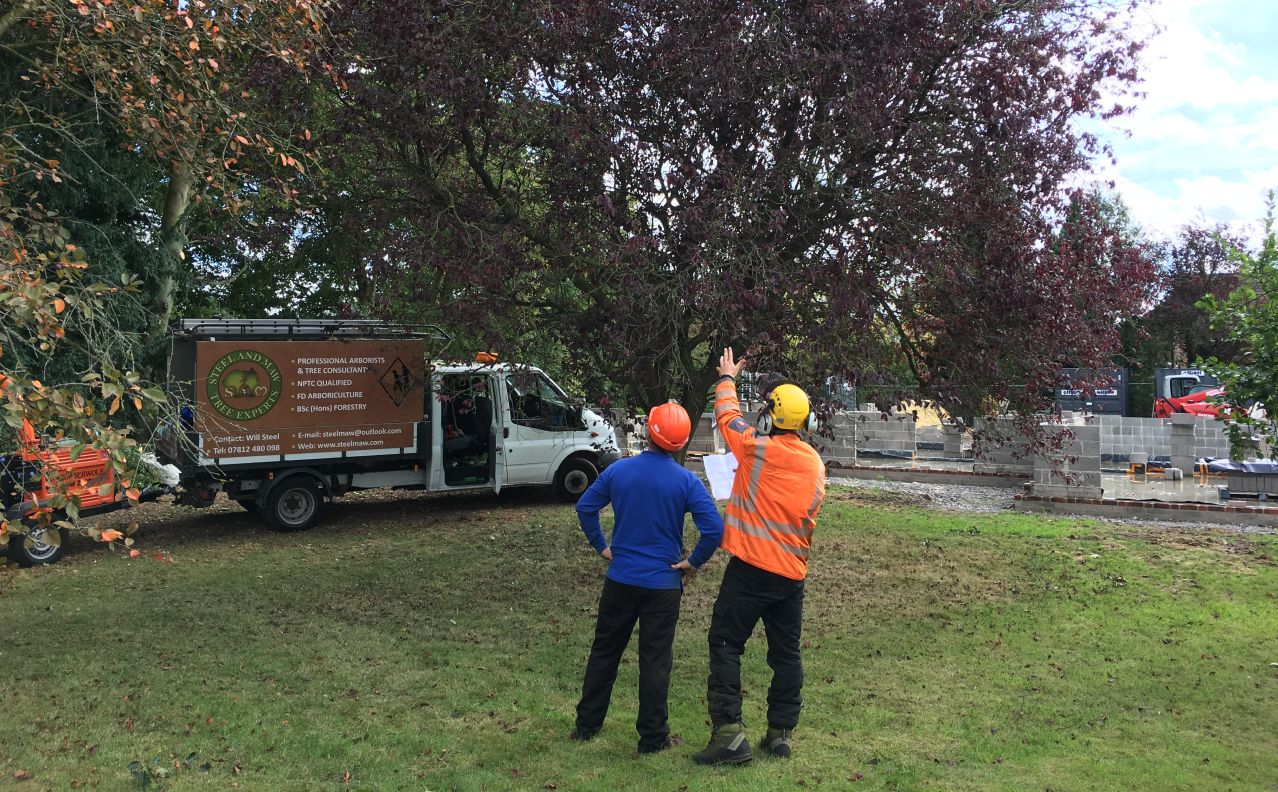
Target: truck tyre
pixel 294 504
pixel 40 552
pixel 573 478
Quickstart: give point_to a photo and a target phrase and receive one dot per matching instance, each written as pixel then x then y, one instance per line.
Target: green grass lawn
pixel 419 642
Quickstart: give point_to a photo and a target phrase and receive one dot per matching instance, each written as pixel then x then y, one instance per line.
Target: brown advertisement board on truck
pixel 272 398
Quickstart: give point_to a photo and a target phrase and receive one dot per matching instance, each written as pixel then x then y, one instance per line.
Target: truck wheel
pixel 573 478
pixel 295 504
pixel 40 551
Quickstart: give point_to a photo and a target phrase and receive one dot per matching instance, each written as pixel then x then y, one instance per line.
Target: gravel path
pixel 956 497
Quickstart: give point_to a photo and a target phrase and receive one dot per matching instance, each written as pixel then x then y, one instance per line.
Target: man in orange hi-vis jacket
pixel 767 528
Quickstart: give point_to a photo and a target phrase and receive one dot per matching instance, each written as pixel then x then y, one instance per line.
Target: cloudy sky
pixel 1203 142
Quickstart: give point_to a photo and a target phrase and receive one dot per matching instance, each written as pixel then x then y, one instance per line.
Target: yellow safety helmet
pixel 789 408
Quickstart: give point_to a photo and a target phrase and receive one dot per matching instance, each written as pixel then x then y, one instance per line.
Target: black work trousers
pixel 657 612
pixel 747 595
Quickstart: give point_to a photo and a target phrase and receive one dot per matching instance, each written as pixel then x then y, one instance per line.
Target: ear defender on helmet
pixel 764 422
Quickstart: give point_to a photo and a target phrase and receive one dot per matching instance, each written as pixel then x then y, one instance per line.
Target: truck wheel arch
pixel 265 490
pixel 268 498
pixel 569 475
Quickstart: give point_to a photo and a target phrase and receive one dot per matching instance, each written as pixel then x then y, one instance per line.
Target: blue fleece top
pixel 650 494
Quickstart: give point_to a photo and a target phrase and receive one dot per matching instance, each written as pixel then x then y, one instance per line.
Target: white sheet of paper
pixel 720 470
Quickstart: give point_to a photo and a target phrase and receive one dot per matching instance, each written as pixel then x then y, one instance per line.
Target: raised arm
pixel 733 427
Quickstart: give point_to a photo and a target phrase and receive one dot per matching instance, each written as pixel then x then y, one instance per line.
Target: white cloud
pixel 1202 144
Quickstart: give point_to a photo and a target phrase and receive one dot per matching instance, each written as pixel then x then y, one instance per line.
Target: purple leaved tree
pixel 842 189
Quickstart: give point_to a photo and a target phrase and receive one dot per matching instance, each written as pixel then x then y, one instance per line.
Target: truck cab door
pixel 434 414
pixel 497 435
pixel 542 425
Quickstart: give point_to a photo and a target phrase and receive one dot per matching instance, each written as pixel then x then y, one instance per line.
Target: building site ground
pixel 437 641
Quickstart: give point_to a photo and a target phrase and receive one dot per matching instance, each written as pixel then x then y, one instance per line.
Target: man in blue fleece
pixel 650 494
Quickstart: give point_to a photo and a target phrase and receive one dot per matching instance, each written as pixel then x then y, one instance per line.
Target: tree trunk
pixel 693 399
pixel 173 239
pixel 177 199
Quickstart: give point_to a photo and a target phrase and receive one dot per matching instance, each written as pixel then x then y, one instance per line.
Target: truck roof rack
pixel 311 329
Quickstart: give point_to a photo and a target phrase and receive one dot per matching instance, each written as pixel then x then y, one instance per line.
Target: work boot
pixel 778 742
pixel 728 745
pixel 672 741
pixel 583 735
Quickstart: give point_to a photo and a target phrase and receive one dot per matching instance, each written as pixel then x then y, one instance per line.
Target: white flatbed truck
pixel 284 415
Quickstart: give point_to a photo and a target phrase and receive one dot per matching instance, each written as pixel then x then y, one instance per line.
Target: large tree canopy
pixel 850 186
pixel 117 118
pixel 163 82
pixel 1197 262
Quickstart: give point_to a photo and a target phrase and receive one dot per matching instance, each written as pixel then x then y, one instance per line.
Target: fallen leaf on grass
pixel 21 775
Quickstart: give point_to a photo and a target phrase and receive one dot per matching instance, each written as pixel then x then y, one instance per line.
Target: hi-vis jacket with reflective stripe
pixel 776 494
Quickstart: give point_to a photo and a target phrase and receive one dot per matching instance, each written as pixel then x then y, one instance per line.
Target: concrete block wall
pixel 628 429
pixel 1210 438
pixel 1006 456
pixel 931 438
pixel 622 429
pixel 941 439
pixel 952 441
pixel 706 439
pixel 867 430
pixel 1075 470
pixel 1118 439
pixel 875 432
pixel 1182 438
pixel 1121 437
pixel 840 449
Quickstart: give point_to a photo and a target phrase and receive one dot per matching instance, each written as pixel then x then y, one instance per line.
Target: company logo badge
pixel 243 385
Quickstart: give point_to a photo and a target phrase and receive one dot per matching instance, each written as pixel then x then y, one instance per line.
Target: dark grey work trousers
pixel 747 595
pixel 657 613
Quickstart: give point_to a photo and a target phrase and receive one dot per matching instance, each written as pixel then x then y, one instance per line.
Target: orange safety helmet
pixel 669 425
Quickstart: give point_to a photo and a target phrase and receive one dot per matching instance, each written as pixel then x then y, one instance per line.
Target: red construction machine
pixel 1191 391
